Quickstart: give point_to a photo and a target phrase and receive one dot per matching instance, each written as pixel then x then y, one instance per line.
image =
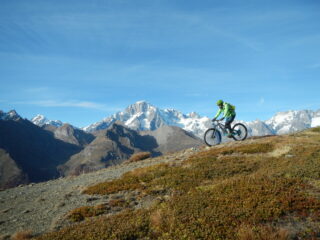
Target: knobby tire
pixel 212 137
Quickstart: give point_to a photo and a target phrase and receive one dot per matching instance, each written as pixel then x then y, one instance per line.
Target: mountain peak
pixel 193 115
pixel 141 102
pixel 41 120
pixel 140 106
pixel 11 115
pixel 38 117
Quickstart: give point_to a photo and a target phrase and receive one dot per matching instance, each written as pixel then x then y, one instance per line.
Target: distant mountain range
pixel 30 153
pixel 143 116
pixel 42 149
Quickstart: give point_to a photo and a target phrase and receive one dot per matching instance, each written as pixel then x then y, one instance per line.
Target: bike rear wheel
pixel 212 137
pixel 239 132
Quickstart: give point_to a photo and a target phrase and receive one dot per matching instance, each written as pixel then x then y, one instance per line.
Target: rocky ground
pixel 43 206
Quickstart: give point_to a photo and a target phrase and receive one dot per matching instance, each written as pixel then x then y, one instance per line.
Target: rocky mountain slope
pixel 69 134
pixel 172 139
pixel 117 143
pixel 262 188
pixel 29 153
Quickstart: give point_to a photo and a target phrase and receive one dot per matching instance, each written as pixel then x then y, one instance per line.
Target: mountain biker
pixel 228 113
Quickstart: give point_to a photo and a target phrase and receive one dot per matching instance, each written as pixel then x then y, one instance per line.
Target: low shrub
pixel 139 156
pixel 134 180
pixel 253 232
pixel 81 213
pixel 317 129
pixel 302 162
pixel 118 203
pixel 216 211
pixel 250 149
pixel 125 225
pixel 22 235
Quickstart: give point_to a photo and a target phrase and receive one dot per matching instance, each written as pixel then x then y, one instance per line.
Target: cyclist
pixel 228 113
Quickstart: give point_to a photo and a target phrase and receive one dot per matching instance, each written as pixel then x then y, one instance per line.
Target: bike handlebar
pixel 216 120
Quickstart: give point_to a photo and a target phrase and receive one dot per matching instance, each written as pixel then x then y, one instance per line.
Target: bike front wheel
pixel 212 137
pixel 239 132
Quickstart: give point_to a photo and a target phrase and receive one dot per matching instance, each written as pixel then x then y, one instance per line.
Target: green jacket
pixel 227 109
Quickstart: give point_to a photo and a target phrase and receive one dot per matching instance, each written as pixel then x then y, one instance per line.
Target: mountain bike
pixel 213 135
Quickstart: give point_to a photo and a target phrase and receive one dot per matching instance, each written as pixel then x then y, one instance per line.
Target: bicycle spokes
pixel 236 132
pixel 239 132
pixel 212 137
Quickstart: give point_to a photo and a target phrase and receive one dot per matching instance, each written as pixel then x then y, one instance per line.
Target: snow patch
pixel 315 122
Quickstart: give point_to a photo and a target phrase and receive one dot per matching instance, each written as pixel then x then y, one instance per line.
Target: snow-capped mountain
pixel 11 115
pixel 144 116
pixel 258 128
pixel 292 121
pixel 41 120
pixel 316 119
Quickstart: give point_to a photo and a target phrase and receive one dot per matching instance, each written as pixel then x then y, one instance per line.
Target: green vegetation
pixel 250 190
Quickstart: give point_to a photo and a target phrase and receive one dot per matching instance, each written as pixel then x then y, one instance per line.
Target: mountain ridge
pixel 144 116
pixel 32 150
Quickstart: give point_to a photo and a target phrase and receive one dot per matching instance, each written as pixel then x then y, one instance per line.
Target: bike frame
pixel 218 124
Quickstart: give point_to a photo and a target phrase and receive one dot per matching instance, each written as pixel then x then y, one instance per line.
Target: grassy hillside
pixel 266 188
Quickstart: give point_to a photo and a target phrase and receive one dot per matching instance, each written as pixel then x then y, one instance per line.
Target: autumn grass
pixel 126 225
pixel 247 232
pixel 216 211
pixel 81 213
pixel 134 180
pixel 316 130
pixel 22 235
pixel 241 191
pixel 118 203
pixel 201 169
pixel 139 156
pixel 250 149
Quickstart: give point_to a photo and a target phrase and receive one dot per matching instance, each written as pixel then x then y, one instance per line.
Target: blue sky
pixel 82 60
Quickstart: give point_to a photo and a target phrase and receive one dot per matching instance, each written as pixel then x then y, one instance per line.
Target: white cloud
pixel 70 103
